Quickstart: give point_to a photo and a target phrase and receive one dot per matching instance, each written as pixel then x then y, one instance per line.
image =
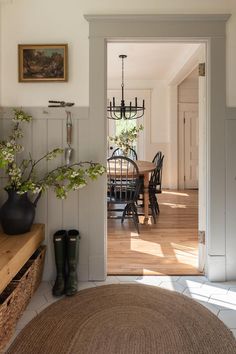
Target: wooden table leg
pixel 146 195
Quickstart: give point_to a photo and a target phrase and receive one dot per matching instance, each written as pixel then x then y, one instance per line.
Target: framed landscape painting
pixel 40 62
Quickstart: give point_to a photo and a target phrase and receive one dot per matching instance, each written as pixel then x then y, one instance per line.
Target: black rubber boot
pixel 72 253
pixel 59 240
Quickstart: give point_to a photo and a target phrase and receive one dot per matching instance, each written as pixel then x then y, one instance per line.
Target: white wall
pixel 188 89
pixel 33 21
pixel 27 21
pixel 159 133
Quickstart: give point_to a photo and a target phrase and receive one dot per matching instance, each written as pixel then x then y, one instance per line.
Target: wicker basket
pixel 38 262
pixel 16 296
pixel 8 317
pixel 23 290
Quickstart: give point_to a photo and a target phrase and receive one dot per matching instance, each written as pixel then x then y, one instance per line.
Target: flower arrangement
pixel 22 174
pixel 126 138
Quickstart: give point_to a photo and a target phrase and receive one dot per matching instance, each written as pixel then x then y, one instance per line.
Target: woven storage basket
pixel 24 289
pixel 38 262
pixel 8 317
pixel 16 296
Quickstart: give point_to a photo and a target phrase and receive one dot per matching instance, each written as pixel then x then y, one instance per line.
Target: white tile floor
pixel 220 298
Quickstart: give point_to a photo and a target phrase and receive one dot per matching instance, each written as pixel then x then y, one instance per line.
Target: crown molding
pixel 158 17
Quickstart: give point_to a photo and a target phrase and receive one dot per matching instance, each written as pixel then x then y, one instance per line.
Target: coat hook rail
pixel 60 104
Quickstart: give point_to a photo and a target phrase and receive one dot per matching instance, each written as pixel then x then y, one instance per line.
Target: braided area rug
pixel 125 319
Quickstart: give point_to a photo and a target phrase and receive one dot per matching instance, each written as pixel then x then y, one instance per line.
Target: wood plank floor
pixel 170 247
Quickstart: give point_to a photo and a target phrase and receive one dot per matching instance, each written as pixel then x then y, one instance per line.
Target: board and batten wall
pixel 47 131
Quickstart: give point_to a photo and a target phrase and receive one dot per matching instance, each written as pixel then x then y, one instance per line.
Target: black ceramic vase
pixel 17 213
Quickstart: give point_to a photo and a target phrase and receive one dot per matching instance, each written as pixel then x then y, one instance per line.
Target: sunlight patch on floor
pixel 151 272
pixel 179 254
pixel 222 303
pixel 176 193
pixel 146 222
pixel 175 206
pixel 134 234
pixel 147 247
pixel 183 254
pixel 179 247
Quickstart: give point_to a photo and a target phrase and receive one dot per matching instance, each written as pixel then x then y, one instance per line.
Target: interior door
pixel 191 149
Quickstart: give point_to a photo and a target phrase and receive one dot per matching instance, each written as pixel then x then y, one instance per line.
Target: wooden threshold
pixel 169 247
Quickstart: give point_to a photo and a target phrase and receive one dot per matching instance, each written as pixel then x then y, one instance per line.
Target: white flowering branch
pixel 63 178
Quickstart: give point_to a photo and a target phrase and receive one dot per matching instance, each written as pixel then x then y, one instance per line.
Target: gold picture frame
pixel 43 62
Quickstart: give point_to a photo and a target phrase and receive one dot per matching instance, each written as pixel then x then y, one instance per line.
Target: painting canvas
pixel 42 62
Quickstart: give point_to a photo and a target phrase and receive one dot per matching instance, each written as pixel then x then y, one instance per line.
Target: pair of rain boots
pixel 66 247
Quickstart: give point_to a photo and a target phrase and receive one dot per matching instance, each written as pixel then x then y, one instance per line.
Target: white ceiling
pixel 148 61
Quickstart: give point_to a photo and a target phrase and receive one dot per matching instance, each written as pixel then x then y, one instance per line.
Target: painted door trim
pixel 209 29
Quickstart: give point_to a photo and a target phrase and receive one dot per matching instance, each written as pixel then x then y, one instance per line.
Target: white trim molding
pixel 208 29
pixel 48 113
pixel 158 18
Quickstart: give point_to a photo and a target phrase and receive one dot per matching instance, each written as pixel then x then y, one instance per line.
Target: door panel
pixel 191 149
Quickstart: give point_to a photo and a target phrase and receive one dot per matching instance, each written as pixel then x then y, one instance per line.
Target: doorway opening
pixel 165 75
pixel 207 29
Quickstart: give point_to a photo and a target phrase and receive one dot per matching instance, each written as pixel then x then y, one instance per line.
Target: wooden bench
pixel 21 268
pixel 16 250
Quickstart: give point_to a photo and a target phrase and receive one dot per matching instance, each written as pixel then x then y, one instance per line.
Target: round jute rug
pixel 125 319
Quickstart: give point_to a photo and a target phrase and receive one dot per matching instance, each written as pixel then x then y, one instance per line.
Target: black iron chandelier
pixel 124 111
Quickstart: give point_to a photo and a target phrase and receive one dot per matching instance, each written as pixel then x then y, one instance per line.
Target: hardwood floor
pixel 170 247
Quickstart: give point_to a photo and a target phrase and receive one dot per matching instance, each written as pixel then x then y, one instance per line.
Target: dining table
pixel 145 167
